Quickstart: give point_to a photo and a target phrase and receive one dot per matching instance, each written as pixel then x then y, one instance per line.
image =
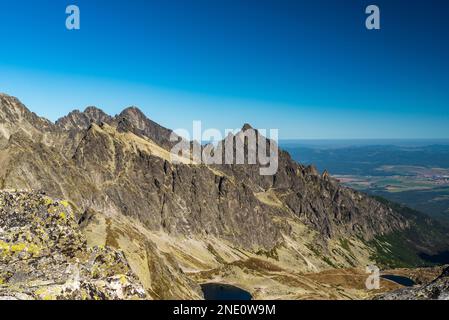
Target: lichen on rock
pixel 44 255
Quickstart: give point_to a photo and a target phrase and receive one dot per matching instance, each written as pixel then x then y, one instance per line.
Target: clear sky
pixel 309 68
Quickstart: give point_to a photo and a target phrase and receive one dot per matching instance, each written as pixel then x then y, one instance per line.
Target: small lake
pixel 404 281
pixel 218 291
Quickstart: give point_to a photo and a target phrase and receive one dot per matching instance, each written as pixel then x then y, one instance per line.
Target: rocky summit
pixel 134 216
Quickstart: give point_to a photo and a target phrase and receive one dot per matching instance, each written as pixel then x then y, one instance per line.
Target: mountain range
pixel 178 225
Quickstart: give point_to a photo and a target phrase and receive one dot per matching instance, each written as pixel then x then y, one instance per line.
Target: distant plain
pixel 411 172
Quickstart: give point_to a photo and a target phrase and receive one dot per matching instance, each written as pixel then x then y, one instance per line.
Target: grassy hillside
pixel 424 243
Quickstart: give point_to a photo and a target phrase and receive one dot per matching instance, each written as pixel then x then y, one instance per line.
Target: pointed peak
pixel 12 107
pixel 93 110
pixel 132 110
pixel 5 96
pixel 134 120
pixel 133 117
pixel 10 99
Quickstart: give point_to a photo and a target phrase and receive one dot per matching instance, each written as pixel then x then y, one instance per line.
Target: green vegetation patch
pixel 406 248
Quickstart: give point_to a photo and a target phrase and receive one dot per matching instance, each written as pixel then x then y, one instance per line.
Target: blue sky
pixel 309 68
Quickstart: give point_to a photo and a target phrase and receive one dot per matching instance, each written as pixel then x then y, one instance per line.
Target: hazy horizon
pixel 317 142
pixel 363 142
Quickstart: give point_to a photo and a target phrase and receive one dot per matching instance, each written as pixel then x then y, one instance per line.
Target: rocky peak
pixel 135 115
pixel 325 175
pixel 319 201
pixel 438 289
pixel 97 115
pixel 11 108
pixel 14 116
pixel 134 120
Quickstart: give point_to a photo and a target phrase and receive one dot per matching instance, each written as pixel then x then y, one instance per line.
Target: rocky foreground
pixel 43 255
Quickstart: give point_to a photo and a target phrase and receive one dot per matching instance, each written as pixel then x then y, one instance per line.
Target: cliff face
pixel 194 217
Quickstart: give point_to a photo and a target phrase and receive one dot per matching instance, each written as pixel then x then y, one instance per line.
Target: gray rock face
pixel 77 120
pixel 131 119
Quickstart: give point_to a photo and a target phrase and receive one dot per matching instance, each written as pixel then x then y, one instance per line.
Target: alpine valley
pixel 92 207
